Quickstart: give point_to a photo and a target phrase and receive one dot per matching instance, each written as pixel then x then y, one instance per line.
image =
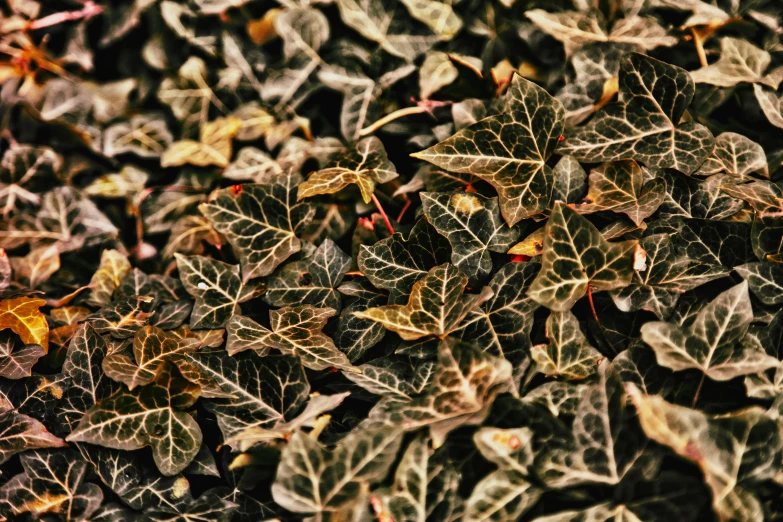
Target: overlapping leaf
pixel 646 124
pixel 509 151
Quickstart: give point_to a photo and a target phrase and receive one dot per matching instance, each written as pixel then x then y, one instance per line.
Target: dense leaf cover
pixel 391 260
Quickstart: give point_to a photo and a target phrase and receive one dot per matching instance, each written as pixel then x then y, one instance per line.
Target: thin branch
pixel 383 214
pixel 404 209
pixel 400 113
pixel 698 391
pixel 89 10
pixel 698 41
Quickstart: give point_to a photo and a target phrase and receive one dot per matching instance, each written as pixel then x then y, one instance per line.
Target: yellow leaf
pixel 21 315
pixel 213 149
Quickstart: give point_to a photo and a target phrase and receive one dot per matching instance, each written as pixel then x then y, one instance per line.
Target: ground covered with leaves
pixel 391 260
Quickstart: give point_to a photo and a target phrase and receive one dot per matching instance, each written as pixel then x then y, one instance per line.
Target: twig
pixel 400 113
pixel 89 10
pixel 383 214
pixel 699 43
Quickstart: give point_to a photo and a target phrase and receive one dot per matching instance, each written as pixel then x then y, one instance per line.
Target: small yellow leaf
pixel 531 246
pixel 22 315
pixel 214 148
pixel 263 30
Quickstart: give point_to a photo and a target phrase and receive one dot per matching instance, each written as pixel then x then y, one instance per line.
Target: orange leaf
pixel 23 317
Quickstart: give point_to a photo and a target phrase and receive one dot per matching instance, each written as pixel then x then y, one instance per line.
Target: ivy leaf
pixel 85 224
pixel 83 365
pixel 261 222
pixel 52 482
pixel 771 105
pixel 210 506
pixel 736 155
pixel 740 61
pixel 217 288
pixel 765 280
pixel 312 280
pixel 502 325
pixel 667 276
pixel 645 126
pixel 734 452
pixel 122 318
pixel 569 355
pixel 16 362
pixel 438 16
pixel 25 172
pixel 435 307
pixel 619 187
pixel 189 94
pixel 710 344
pixel 213 147
pixel 379 22
pixel 569 180
pixel 395 264
pixel 763 196
pixel 473 226
pixel 575 29
pixel 20 433
pixel 295 331
pixel 424 485
pixel 604 443
pixel 23 317
pixel 363 165
pixel 314 479
pixel 113 268
pixel 575 256
pixel 507 493
pixel 147 416
pixel 455 396
pixel 532 121
pixel 152 347
pixel 259 397
pixel 145 135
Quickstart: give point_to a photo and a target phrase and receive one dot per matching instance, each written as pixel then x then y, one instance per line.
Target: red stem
pixel 383 214
pixel 404 209
pixel 89 10
pixel 698 391
pixel 592 305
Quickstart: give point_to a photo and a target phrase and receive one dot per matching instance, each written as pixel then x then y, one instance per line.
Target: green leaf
pixel 395 264
pixel 576 29
pixel 314 479
pixel 217 288
pixel 295 330
pixel 20 433
pixel 147 416
pixel 762 196
pixel 53 482
pixel 461 391
pixel 765 280
pixel 645 126
pixel 736 155
pixel 619 187
pixel 145 135
pixel 712 343
pixel 740 61
pixel 575 256
pixel 667 276
pixel 313 280
pixel 473 227
pixel 569 180
pixel 569 355
pixel 734 452
pixel 532 121
pixel 261 222
pixel 436 305
pixel 260 398
pixel 363 165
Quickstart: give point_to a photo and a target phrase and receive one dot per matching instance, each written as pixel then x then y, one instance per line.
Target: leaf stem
pixel 400 113
pixel 383 214
pixel 699 43
pixel 592 305
pixel 89 10
pixel 698 391
pixel 404 209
